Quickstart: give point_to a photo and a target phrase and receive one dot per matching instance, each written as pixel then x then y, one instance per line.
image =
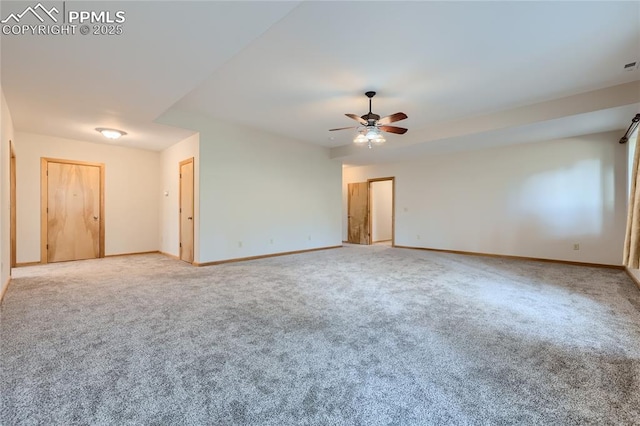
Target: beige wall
pixel 261 193
pixel 258 193
pixel 6 134
pixel 132 192
pixel 534 200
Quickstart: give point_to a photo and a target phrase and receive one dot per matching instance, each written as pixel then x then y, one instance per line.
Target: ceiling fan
pixel 372 126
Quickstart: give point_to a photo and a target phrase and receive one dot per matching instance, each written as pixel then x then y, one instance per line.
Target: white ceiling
pixel 295 68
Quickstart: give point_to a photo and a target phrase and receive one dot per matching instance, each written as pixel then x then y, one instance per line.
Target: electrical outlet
pixel 576 246
pixel 239 243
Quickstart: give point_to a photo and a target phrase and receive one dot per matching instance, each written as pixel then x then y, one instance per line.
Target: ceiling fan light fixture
pixel 372 133
pixel 360 139
pixel 379 139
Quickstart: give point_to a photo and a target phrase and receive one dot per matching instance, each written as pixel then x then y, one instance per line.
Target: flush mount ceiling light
pixel 112 134
pixel 372 125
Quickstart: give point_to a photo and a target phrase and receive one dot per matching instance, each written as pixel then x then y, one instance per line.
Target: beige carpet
pixel 357 335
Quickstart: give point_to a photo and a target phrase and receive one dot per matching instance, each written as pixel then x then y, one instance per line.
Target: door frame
pixel 182 163
pixel 393 208
pixel 12 204
pixel 44 198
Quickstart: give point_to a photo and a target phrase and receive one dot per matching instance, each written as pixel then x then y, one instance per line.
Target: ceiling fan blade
pixel 343 128
pixel 357 118
pixel 392 118
pixel 393 129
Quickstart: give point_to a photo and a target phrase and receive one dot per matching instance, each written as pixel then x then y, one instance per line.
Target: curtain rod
pixel 631 129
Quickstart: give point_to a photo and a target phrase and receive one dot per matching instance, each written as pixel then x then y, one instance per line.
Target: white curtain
pixel 632 240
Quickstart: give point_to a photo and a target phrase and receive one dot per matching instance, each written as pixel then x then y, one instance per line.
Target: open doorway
pixel 381 210
pixel 370 212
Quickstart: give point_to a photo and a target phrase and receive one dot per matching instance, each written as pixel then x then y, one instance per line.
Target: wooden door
pixel 73 211
pixel 358 216
pixel 186 210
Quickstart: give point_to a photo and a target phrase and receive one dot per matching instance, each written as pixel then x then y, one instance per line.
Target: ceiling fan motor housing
pixel 371 117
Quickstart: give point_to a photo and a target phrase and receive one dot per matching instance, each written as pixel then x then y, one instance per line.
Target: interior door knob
pixel 190 218
pixel 95 218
